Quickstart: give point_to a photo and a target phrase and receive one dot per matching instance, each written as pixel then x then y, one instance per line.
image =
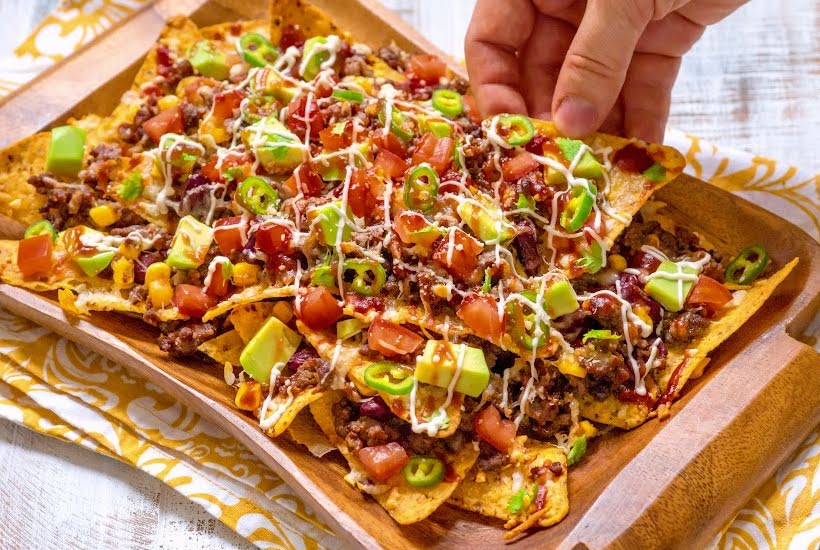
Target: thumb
pixel 595 66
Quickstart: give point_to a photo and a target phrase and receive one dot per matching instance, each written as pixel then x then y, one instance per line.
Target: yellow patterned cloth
pixel 58 388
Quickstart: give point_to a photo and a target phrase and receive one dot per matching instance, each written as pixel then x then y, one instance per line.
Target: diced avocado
pixel 559 299
pixel 487 223
pixel 656 172
pixel 208 61
pixel 328 218
pixel 439 362
pixel 313 56
pixel 93 265
pixel 65 151
pixel 270 83
pixel 276 148
pixel 272 344
pixel 665 291
pixel 190 245
pixel 587 167
pixel 334 170
pixel 349 327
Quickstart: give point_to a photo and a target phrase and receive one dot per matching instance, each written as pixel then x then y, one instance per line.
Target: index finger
pixel 497 31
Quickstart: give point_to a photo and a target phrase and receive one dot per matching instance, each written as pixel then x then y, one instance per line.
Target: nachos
pixel 460 303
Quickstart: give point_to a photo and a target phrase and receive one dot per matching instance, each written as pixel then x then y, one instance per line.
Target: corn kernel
pixel 245 274
pixel 587 429
pixel 103 215
pixel 569 365
pixel 158 271
pixel 642 314
pixel 160 293
pixel 129 251
pixel 283 311
pixel 617 262
pixel 167 101
pixel 653 240
pixel 365 82
pixel 249 396
pixel 123 272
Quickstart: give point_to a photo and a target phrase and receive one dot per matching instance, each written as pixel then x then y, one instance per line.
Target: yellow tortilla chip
pixel 282 410
pixel 311 20
pixel 614 412
pixel 249 295
pixel 406 504
pixel 247 319
pixel 489 493
pixel 225 348
pixel 231 32
pixel 349 362
pixel 18 199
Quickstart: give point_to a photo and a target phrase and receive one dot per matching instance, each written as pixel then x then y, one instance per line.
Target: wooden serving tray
pixel 671 483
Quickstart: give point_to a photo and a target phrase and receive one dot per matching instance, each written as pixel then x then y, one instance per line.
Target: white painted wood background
pixel 751 83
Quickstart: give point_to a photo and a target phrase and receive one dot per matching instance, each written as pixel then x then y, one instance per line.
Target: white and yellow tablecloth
pixel 58 388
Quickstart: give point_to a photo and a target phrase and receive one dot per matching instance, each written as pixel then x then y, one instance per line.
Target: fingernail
pixel 576 116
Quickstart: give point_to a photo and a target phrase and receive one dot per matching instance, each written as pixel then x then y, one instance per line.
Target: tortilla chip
pixel 406 504
pixel 628 191
pixel 232 32
pixel 249 295
pixel 304 431
pixel 491 496
pixel 350 363
pixel 721 329
pixel 623 415
pixel 247 319
pixel 286 409
pixel 18 199
pixel 225 348
pixel 311 20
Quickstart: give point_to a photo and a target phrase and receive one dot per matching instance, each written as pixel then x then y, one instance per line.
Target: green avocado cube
pixel 313 56
pixel 487 223
pixel 328 218
pixel 272 345
pixel 93 265
pixel 439 362
pixel 656 172
pixel 276 148
pixel 65 151
pixel 190 245
pixel 665 291
pixel 587 167
pixel 559 299
pixel 208 61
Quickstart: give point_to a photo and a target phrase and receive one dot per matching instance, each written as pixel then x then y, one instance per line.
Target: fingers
pixel 647 94
pixel 497 31
pixel 540 62
pixel 673 36
pixel 596 64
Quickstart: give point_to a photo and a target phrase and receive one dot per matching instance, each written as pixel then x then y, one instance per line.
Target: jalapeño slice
pixel 257 50
pixel 256 195
pixel 389 377
pixel 747 266
pixel 516 130
pixel 370 276
pixel 423 471
pixel 421 188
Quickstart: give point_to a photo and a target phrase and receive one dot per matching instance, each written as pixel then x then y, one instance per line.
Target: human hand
pixel 597 64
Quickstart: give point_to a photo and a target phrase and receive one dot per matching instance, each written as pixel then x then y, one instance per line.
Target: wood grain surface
pixel 752 112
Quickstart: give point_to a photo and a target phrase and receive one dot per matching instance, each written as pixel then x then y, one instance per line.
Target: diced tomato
pixel 225 103
pixel 438 152
pixel 306 180
pixel 34 255
pixel 519 166
pixel 192 300
pixel 318 308
pixel 389 142
pixel 361 201
pixel 392 166
pixel 168 121
pixel 273 238
pixel 383 461
pixel 231 234
pixel 471 108
pixel 392 340
pixel 709 294
pixel 333 140
pixel 298 119
pixel 429 68
pixel 498 432
pixel 408 222
pixel 642 260
pixel 219 285
pixel 480 313
pixel 458 253
pixel 232 160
